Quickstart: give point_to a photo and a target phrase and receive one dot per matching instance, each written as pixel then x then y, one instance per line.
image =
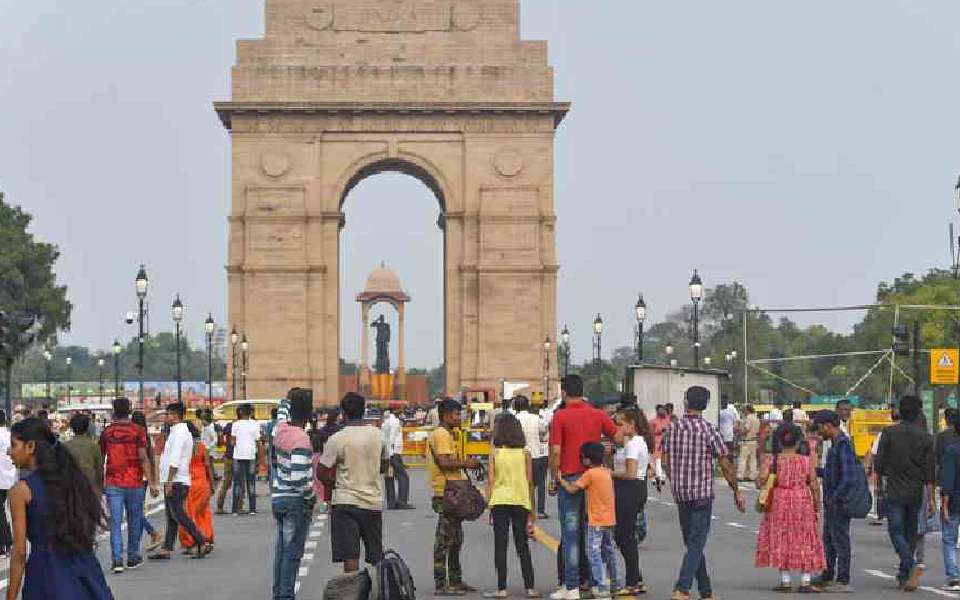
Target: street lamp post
pixel 116 367
pixel 668 350
pixel 641 313
pixel 100 362
pixel 47 357
pixel 208 327
pixel 597 347
pixel 177 312
pixel 546 370
pixel 141 283
pixel 696 295
pixel 69 380
pixel 565 336
pixel 244 347
pixel 234 339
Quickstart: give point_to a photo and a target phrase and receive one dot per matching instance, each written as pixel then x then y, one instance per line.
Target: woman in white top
pixel 8 478
pixel 630 464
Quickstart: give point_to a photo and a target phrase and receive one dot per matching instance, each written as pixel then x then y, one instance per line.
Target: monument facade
pixel 443 90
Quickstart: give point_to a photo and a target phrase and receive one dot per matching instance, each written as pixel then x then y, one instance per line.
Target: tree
pixel 33 305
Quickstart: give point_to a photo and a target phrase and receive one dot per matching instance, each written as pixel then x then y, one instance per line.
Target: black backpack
pixel 391 579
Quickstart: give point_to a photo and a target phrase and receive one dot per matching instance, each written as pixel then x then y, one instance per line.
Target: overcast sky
pixel 807 149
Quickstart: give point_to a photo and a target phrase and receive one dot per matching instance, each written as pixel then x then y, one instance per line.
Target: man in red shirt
pixel 124 447
pixel 578 423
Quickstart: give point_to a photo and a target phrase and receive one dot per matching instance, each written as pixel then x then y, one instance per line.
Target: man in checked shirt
pixel 689 448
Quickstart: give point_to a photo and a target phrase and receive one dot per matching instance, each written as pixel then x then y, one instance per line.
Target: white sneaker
pixel 951 586
pixel 563 593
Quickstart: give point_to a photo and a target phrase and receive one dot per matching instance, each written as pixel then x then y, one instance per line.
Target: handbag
pixel 766 492
pixel 461 499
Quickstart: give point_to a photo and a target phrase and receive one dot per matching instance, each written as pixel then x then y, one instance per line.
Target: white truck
pixel 662 384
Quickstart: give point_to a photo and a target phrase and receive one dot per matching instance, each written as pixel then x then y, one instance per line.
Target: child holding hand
pixel 597 483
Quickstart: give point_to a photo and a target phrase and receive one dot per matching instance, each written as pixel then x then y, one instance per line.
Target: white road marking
pixel 303 571
pixel 737 525
pixel 316 533
pixel 308 557
pixel 310 545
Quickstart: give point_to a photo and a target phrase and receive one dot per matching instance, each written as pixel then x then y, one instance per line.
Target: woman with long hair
pixel 201 490
pixel 630 465
pixel 789 539
pixel 57 509
pixel 155 537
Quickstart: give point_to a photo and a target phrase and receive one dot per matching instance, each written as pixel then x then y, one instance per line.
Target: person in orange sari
pixel 201 490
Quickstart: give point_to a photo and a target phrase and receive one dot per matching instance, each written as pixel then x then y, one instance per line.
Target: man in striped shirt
pixel 291 490
pixel 689 448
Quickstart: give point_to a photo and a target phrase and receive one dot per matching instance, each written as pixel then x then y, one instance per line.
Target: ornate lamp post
pixel 47 357
pixel 546 369
pixel 234 339
pixel 244 347
pixel 208 326
pixel 100 363
pixel 116 367
pixel 597 347
pixel 696 295
pixel 641 313
pixel 69 380
pixel 565 336
pixel 176 311
pixel 141 283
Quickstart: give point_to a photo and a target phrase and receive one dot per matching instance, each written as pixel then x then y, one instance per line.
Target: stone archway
pixel 444 90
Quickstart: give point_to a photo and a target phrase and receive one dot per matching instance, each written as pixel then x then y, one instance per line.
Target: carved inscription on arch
pixel 407 17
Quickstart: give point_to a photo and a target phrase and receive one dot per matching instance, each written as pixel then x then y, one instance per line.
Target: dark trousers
pixel 176 511
pixel 630 498
pixel 244 479
pixel 695 527
pixel 836 545
pixel 6 539
pixel 226 484
pixel 398 486
pixel 540 483
pixel 505 518
pixel 902 527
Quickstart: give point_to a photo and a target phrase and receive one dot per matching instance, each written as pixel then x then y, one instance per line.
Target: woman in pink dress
pixel 789 538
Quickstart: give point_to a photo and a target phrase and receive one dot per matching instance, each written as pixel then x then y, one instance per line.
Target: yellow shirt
pixel 510 484
pixel 441 442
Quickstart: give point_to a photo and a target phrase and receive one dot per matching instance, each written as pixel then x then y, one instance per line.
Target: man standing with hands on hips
pixel 689 448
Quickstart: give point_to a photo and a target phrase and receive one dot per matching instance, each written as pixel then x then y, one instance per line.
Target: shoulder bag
pixel 461 499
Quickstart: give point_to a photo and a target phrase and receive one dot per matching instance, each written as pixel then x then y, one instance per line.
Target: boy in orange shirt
pixel 597 482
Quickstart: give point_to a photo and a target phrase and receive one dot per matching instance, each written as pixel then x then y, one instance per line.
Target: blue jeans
pixel 244 478
pixel 836 544
pixel 292 516
pixel 571 511
pixel 902 527
pixel 122 499
pixel 695 527
pixel 949 532
pixel 603 559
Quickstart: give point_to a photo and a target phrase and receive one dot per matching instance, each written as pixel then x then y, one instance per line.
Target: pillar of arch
pixel 444 90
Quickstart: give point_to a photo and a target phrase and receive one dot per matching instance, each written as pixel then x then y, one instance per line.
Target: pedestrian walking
pixel 534 430
pixel 85 450
pixel 660 423
pixel 444 466
pixel 175 475
pixel 789 539
pixel 396 479
pixel 198 499
pixel 208 434
pixel 597 482
pixel 510 490
pixel 949 482
pixel 123 445
pixel 266 434
pixel 577 424
pixel 148 475
pixel 331 425
pixel 726 422
pixel 747 464
pixel 226 481
pixel 56 509
pixel 690 448
pixel 8 478
pixel 246 437
pixel 839 473
pixel 905 460
pixel 292 495
pixel 630 465
pixel 359 456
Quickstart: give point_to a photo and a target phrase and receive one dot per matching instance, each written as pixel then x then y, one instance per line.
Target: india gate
pixel 442 90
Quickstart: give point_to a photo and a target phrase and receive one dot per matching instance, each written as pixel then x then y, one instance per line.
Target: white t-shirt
pixel 209 437
pixel 245 434
pixel 8 472
pixel 392 432
pixel 636 449
pixel 728 417
pixel 531 424
pixel 177 452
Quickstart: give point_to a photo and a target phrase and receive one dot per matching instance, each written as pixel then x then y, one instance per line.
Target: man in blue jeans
pixel 690 447
pixel 950 508
pixel 839 474
pixel 124 447
pixel 291 491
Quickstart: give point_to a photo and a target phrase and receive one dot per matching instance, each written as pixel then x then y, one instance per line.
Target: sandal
pixel 448 591
pixel 159 556
pixel 203 550
pixel 808 589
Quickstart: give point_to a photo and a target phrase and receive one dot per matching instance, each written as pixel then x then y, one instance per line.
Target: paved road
pixel 240 567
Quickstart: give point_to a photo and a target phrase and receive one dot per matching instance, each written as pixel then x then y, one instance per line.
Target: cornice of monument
pixel 227 109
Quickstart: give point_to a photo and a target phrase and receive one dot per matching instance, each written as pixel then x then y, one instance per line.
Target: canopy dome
pixel 383 283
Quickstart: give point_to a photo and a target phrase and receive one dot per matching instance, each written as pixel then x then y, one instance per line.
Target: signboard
pixel 944 366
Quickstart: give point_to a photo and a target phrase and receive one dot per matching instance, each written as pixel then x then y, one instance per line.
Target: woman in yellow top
pixel 510 490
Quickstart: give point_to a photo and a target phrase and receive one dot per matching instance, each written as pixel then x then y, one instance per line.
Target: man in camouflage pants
pixel 445 466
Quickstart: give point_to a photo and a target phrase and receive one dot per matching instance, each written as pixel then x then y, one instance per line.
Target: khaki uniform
pixel 748 466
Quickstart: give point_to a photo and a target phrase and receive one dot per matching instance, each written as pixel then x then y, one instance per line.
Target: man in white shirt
pixel 396 479
pixel 246 435
pixel 727 420
pixel 534 429
pixel 209 433
pixel 175 476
